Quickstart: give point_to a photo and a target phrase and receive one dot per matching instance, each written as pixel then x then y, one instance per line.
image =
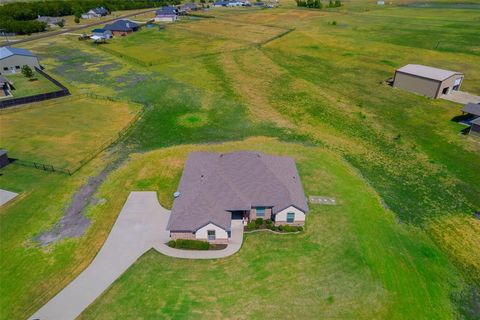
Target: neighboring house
pixel 3 158
pixel 187 7
pixel 51 21
pixel 122 27
pixel 234 4
pixel 5 87
pixel 218 188
pixel 473 110
pixel 427 81
pixel 166 14
pixel 13 59
pixel 475 127
pixel 95 13
pixel 102 33
pixel 220 4
pixel 259 3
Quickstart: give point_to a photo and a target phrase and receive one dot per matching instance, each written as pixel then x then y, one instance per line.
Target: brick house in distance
pixel 218 188
pixel 122 27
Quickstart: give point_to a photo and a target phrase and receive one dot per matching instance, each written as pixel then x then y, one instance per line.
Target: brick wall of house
pixel 268 214
pixel 182 235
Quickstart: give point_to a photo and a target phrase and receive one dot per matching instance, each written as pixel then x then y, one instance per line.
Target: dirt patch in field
pixel 74 223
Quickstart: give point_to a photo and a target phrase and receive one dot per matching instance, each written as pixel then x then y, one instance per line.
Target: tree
pixel 27 72
pixel 338 3
pixel 77 20
pixel 78 14
pixel 61 24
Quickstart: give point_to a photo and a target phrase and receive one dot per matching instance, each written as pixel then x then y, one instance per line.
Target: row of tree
pixel 19 17
pixel 317 4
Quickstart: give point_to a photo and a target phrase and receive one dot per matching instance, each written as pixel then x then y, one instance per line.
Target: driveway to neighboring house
pixel 140 226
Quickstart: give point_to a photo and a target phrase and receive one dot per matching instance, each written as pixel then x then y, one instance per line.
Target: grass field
pixel 319 86
pixel 354 260
pixel 25 87
pixel 63 132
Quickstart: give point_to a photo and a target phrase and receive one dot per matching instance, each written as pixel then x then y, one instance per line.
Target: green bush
pixel 192 244
pixel 281 227
pixel 171 243
pixel 259 221
pixel 251 225
pixel 268 222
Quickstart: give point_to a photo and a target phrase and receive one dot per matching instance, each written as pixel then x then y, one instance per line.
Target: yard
pixel 63 132
pixel 402 241
pixel 25 87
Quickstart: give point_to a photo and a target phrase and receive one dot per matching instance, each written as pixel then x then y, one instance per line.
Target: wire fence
pixel 110 142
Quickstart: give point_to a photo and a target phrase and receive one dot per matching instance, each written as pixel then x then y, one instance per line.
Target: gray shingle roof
pixel 476 121
pixel 472 108
pixel 214 184
pixel 10 51
pixel 427 72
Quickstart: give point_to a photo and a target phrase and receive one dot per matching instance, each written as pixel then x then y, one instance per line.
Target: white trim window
pixel 211 235
pixel 290 217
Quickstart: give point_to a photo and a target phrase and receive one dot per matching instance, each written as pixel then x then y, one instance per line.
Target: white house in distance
pixel 95 13
pixel 218 188
pixel 166 14
pixel 13 59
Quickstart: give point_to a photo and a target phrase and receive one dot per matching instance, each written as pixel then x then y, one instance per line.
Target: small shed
pixel 3 158
pixel 106 34
pixel 428 81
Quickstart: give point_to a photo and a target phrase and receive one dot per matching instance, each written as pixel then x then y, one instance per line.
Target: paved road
pixel 83 26
pixel 140 226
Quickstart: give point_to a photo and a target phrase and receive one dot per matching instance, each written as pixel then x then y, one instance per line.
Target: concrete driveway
pixel 461 97
pixel 140 226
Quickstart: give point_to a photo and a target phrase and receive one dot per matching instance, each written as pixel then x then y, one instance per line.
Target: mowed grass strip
pixel 63 132
pixel 354 261
pixel 25 87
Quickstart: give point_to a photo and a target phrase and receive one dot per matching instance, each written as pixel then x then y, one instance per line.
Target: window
pixel 260 212
pixel 211 235
pixel 290 217
pixel 17 67
pixel 5 68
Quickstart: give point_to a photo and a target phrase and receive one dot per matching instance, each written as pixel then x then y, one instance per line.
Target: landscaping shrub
pixel 251 226
pixel 268 222
pixel 259 221
pixel 281 227
pixel 171 243
pixel 192 244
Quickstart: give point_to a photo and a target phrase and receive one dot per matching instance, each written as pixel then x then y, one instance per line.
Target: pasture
pixel 63 132
pixel 25 87
pixel 402 243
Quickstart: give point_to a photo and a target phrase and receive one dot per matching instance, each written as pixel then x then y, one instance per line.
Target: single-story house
pixel 473 110
pixel 166 14
pixel 3 158
pixel 218 188
pixel 5 87
pixel 187 7
pixel 106 34
pixel 220 3
pixel 122 27
pixel 95 13
pixel 259 3
pixel 13 59
pixel 475 127
pixel 234 4
pixel 51 21
pixel 428 81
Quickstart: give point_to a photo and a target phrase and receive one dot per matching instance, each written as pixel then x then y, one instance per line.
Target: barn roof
pixel 427 72
pixel 10 51
pixel 213 185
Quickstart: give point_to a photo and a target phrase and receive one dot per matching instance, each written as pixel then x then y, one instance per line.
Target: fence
pixel 38 97
pixel 70 171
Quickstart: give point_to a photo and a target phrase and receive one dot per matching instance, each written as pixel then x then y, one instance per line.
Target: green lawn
pixel 354 260
pixel 24 87
pixel 319 85
pixel 63 132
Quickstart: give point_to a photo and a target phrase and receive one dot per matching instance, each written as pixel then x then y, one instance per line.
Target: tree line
pixel 317 4
pixel 19 17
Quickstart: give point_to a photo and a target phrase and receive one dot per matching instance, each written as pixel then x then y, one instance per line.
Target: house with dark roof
pixel 122 27
pixel 187 7
pixel 472 110
pixel 95 13
pixel 13 59
pixel 220 3
pixel 218 188
pixel 428 81
pixel 166 14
